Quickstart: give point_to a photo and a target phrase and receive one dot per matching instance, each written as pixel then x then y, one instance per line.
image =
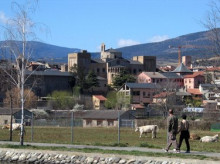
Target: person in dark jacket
pixel 184 133
pixel 172 124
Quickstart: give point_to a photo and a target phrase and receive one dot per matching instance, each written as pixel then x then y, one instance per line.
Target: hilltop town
pixel 137 86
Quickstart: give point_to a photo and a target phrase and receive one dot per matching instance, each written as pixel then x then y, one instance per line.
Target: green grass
pixel 106 137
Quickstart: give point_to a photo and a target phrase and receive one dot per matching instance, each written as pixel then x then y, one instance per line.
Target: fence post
pixel 118 127
pixel 32 129
pixel 72 127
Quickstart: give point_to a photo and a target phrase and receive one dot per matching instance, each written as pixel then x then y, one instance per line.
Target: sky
pixel 86 24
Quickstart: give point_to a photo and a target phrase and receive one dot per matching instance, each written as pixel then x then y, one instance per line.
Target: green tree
pixel 91 80
pixel 117 101
pixel 62 100
pixel 123 77
pixel 79 73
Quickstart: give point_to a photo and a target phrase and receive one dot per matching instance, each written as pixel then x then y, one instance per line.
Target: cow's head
pixel 137 129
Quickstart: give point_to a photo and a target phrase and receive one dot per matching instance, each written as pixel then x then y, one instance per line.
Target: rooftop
pixel 100 97
pixel 200 73
pixel 182 69
pixel 141 85
pixel 194 91
pixel 155 75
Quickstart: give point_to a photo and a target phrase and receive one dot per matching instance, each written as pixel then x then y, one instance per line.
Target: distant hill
pixel 54 53
pixel 197 40
pixel 47 52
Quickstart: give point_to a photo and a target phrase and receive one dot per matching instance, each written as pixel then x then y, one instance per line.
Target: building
pixel 170 78
pixel 104 118
pixel 182 70
pixel 45 82
pixel 138 93
pixel 194 80
pixel 187 61
pixel 164 97
pixel 111 63
pixel 151 77
pixel 5 116
pixel 98 102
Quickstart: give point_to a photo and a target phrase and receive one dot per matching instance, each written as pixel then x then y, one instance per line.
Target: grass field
pixel 106 137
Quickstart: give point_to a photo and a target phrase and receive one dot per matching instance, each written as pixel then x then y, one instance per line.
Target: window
pixel 99 122
pixel 136 93
pixel 143 94
pixel 110 122
pixel 97 70
pixel 103 69
pixel 5 121
pixel 88 122
pixel 153 80
pixel 134 71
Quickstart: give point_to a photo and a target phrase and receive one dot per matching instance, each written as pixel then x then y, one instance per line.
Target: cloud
pixel 159 38
pixel 127 42
pixel 3 18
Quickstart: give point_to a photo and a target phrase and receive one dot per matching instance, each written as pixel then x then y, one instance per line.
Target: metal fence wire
pixel 215 127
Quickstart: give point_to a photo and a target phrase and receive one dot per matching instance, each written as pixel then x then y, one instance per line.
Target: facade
pixel 164 97
pixel 98 102
pixel 104 118
pixel 5 116
pixel 138 93
pixel 159 78
pixel 151 77
pixel 111 63
pixel 45 82
pixel 194 80
pixel 187 61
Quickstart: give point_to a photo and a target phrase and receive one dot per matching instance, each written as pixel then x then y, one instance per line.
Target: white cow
pixel 15 126
pixel 148 129
pixel 209 138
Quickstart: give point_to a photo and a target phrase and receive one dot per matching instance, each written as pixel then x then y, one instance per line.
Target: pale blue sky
pixel 85 24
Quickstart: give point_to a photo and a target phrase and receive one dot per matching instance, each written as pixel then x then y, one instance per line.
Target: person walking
pixel 172 124
pixel 184 133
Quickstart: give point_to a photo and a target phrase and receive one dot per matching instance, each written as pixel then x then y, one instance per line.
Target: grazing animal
pixel 15 126
pixel 209 138
pixel 148 129
pixel 194 137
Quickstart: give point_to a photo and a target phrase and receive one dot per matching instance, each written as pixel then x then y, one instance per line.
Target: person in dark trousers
pixel 172 124
pixel 184 133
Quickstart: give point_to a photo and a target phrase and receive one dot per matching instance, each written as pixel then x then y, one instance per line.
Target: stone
pixel 130 161
pixel 15 158
pixel 89 160
pixel 22 157
pixel 32 159
pixel 122 161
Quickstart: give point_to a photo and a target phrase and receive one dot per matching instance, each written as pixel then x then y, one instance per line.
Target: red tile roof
pixel 163 94
pixel 137 106
pixel 100 97
pixel 194 91
pixel 213 69
pixel 194 74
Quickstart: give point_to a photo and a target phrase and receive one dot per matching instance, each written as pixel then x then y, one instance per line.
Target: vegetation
pixel 62 100
pixel 115 100
pixel 91 80
pixel 123 77
pixel 30 98
pixel 107 137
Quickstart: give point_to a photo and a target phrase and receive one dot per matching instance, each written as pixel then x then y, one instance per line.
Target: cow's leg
pixel 140 134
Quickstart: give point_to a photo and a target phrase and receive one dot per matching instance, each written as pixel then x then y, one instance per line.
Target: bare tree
pixel 166 96
pixel 17 32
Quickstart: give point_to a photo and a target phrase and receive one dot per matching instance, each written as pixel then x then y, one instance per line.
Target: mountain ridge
pixel 161 50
